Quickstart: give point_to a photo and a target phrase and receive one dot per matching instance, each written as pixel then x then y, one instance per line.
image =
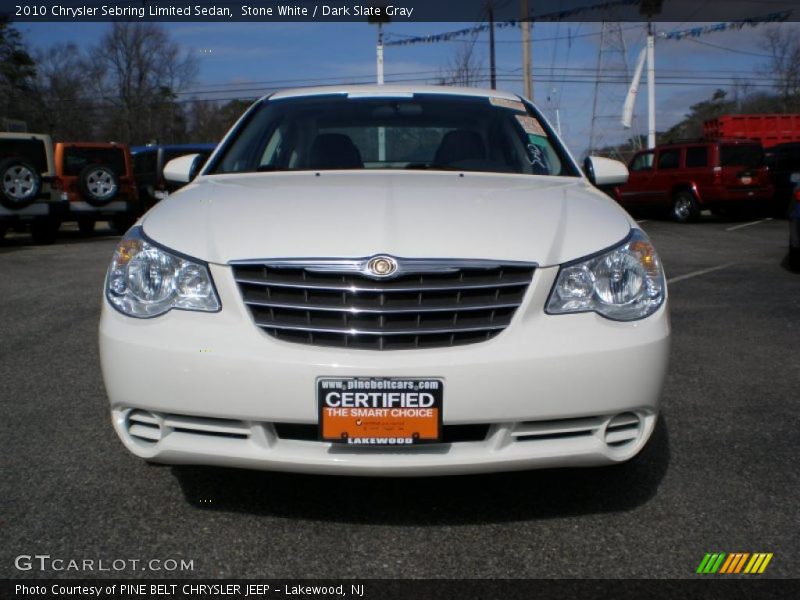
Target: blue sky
pixel 260 57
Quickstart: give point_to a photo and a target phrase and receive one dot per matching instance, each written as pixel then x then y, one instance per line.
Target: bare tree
pixel 64 109
pixel 782 43
pixel 209 120
pixel 465 67
pixel 139 71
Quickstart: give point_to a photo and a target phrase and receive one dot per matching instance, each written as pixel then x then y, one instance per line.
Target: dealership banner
pixel 395 11
pixel 410 589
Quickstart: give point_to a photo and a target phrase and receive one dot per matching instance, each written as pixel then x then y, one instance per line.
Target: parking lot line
pixel 698 273
pixel 735 227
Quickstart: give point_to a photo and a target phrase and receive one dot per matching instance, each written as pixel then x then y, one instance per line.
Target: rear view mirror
pixel 183 169
pixel 605 171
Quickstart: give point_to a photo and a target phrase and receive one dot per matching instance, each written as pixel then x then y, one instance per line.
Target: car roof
pixel 391 89
pixel 24 136
pixel 156 147
pixel 92 145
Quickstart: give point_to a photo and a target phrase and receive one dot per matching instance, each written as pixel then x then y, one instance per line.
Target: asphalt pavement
pixel 720 474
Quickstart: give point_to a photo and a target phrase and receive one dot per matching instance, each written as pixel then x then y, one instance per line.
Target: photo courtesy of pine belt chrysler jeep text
pixel 386 280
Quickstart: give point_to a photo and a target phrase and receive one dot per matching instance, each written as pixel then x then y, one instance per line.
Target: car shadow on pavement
pixel 15 241
pixel 455 500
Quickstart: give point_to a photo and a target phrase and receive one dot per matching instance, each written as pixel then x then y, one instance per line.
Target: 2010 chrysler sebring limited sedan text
pixel 386 281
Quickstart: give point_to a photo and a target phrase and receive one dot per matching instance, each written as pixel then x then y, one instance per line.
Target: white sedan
pixel 386 280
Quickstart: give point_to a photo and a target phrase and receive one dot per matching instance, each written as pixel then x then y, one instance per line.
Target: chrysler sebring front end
pixel 386 281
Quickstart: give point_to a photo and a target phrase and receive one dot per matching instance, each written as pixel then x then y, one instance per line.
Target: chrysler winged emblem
pixel 381 266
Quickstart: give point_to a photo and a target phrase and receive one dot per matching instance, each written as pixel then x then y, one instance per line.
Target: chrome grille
pixel 426 304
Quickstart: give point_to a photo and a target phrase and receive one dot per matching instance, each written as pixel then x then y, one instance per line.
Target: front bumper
pixel 547 387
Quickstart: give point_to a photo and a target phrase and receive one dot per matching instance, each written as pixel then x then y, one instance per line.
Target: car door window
pixel 669 159
pixel 697 156
pixel 642 162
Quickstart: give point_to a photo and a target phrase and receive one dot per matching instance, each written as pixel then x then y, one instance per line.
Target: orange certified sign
pixel 380 412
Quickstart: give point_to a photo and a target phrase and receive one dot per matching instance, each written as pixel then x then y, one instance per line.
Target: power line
pixel 734 50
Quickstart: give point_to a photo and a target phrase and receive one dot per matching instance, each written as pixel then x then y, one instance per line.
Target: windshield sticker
pixel 505 103
pixel 531 125
pixel 537 157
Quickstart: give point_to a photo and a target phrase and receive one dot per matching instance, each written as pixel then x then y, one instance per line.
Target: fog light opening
pixel 144 427
pixel 622 430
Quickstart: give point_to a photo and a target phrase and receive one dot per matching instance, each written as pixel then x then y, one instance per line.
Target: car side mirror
pixel 605 171
pixel 183 169
pixel 794 177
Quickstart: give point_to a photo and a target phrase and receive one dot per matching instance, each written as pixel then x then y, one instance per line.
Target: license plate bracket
pixel 380 411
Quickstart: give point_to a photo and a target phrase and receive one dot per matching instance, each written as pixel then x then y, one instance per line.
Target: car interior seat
pixel 334 151
pixel 460 145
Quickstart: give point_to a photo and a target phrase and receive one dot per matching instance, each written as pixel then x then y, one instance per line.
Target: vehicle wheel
pixel 121 223
pixel 21 183
pixel 86 226
pixel 3 230
pixel 684 207
pixel 44 231
pixel 99 184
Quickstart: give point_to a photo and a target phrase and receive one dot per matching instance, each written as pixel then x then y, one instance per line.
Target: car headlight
pixel 145 280
pixel 624 284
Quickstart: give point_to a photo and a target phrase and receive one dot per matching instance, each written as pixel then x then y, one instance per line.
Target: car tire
pixel 44 231
pixel 684 208
pixel 20 183
pixel 3 230
pixel 86 226
pixel 99 184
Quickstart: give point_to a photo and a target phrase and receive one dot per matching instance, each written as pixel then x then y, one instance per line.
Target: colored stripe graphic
pixel 701 567
pixel 727 563
pixel 734 563
pixel 711 562
pixel 765 563
pixel 740 564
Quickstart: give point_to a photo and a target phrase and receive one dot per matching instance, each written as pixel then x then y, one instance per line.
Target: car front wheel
pixel 684 208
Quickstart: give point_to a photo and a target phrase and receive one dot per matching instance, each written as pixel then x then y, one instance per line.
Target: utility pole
pixel 379 19
pixel 380 54
pixel 650 8
pixel 492 67
pixel 527 76
pixel 651 86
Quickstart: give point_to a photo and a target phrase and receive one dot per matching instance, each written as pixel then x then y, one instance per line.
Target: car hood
pixel 547 220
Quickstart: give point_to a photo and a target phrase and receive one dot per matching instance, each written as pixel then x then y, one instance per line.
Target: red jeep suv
pixel 725 175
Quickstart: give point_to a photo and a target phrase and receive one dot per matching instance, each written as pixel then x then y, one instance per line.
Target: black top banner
pixel 402 11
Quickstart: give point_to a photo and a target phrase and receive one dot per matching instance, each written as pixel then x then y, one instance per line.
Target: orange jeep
pixel 97 179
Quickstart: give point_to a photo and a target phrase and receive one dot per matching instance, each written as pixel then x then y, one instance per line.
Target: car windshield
pixel 419 131
pixel 742 155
